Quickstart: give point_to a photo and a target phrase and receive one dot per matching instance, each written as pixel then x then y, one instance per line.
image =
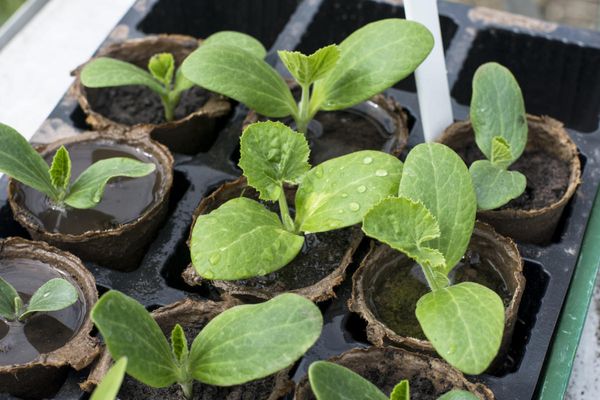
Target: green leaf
pixel 271 153
pixel 497 109
pixel 309 69
pixel 464 323
pixel 54 295
pixel 339 192
pixel 401 391
pixel 109 72
pixel 88 189
pixel 241 239
pixel 437 177
pixel 501 154
pixel 330 381
pixel 60 170
pixel 181 82
pixel 129 331
pixel 239 74
pixel 372 59
pixel 162 67
pixel 237 39
pixel 458 395
pixel 250 342
pixel 111 383
pixel 179 344
pixel 495 186
pixel 406 226
pixel 21 162
pixel 8 294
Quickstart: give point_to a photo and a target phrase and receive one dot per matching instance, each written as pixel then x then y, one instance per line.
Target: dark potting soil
pixel 124 200
pixel 547 177
pixel 131 105
pixel 21 342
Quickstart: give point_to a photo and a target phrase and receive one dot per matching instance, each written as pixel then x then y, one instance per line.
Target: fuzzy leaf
pixel 179 344
pixel 338 193
pixel 162 67
pixel 464 323
pixel 458 395
pixel 88 189
pixel 308 69
pixel 60 170
pixel 498 109
pixel 330 381
pixel 241 239
pixel 8 294
pixel 111 383
pixel 238 39
pixel 437 177
pixel 129 331
pixel 501 154
pixel 250 342
pixel 109 72
pixel 54 295
pixel 401 391
pixel 495 186
pixel 272 153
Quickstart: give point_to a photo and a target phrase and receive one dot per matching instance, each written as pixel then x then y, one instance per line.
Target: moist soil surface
pixel 131 105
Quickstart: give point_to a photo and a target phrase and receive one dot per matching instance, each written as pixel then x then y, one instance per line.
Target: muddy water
pixel 21 342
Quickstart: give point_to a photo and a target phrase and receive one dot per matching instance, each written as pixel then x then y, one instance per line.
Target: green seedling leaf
pixel 129 331
pixel 250 342
pixel 108 72
pixel 162 67
pixel 330 381
pixel 309 69
pixel 372 59
pixel 181 83
pixel 239 74
pixel 8 294
pixel 179 344
pixel 60 170
pixel 88 189
pixel 458 395
pixel 464 323
pixel 339 192
pixel 54 295
pixel 498 109
pixel 436 176
pixel 237 39
pixel 501 154
pixel 111 383
pixel 21 162
pixel 241 239
pixel 271 154
pixel 494 185
pixel 401 391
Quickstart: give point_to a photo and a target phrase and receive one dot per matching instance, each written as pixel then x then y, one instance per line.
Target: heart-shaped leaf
pixel 162 67
pixel 308 69
pixel 495 186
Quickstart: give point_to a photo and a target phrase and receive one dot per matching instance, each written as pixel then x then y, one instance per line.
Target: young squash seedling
pixel 242 239
pixel 500 124
pixel 108 389
pixel 431 222
pixel 242 344
pixel 19 160
pixel 367 62
pixel 330 381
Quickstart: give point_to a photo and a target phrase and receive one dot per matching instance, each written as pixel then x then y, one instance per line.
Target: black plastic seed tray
pixel 557 67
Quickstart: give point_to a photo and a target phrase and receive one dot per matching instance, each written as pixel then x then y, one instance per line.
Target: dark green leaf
pixel 179 344
pixel 60 170
pixel 495 186
pixel 54 295
pixel 237 39
pixel 401 391
pixel 162 68
pixel 109 72
pixel 8 294
pixel 458 395
pixel 111 383
pixel 309 69
pixel 330 381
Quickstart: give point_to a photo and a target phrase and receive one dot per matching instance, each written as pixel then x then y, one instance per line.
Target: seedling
pixel 242 239
pixel 19 160
pixel 108 389
pixel 500 124
pixel 330 381
pixel 54 295
pixel 242 344
pixel 367 62
pixel 431 222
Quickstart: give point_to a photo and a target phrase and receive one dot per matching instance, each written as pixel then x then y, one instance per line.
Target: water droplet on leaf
pixel 361 189
pixel 368 160
pixel 344 195
pixel 319 171
pixel 214 259
pixel 354 206
pixel 208 275
pixel 381 172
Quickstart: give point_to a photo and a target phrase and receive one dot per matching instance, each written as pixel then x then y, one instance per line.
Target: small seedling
pixel 500 124
pixel 242 239
pixel 367 62
pixel 431 222
pixel 242 344
pixel 19 160
pixel 330 381
pixel 108 389
pixel 54 295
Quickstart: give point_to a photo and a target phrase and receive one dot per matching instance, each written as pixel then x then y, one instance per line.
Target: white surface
pixel 35 65
pixel 432 77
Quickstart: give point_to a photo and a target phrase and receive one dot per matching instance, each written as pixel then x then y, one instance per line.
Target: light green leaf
pixel 239 74
pixel 88 189
pixel 179 344
pixel 54 295
pixel 501 154
pixel 458 395
pixel 250 342
pixel 162 67
pixel 60 170
pixel 372 59
pixel 464 323
pixel 181 83
pixel 241 239
pixel 401 391
pixel 308 69
pixel 237 39
pixel 111 383
pixel 8 294
pixel 109 72
pixel 330 381
pixel 129 331
pixel 271 153
pixel 21 162
pixel 406 226
pixel 495 186
pixel 497 109
pixel 339 192
pixel 437 177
